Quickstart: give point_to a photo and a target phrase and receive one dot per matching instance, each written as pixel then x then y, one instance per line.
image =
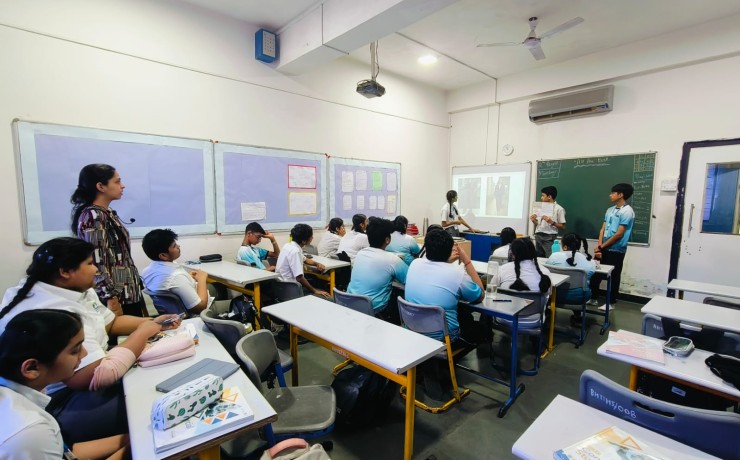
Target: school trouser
pixel 135 308
pixel 544 243
pixel 87 415
pixel 609 258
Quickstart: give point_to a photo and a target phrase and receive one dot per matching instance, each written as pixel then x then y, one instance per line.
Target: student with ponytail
pixel 524 273
pixel 356 240
pixel 89 404
pixel 330 241
pixel 118 284
pixel 401 242
pixel 39 348
pixel 571 256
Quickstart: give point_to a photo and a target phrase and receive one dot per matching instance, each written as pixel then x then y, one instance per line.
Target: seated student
pixel 524 274
pixel 434 281
pixel 355 239
pixel 254 255
pixel 90 404
pixel 39 348
pixel 164 274
pixel 401 242
pixel 507 236
pixel 290 262
pixel 330 241
pixel 571 256
pixel 375 269
pixel 423 251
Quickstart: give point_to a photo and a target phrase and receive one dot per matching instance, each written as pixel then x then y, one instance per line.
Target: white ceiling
pixel 453 32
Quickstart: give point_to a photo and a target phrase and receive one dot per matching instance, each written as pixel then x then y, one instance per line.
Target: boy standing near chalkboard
pixel 547 227
pixel 613 237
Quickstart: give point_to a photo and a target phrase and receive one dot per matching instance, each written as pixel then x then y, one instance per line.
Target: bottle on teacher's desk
pixel 492 278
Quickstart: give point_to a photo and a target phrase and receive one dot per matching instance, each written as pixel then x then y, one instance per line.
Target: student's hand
pixel 173 325
pixel 115 306
pixel 269 236
pixel 199 275
pixel 455 253
pixel 150 328
pixel 321 293
pixel 533 218
pixel 548 219
pixel 271 268
pixel 320 267
pixel 463 256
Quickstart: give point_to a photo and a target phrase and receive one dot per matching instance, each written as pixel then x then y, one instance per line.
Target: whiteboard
pixel 169 180
pixel 365 187
pixel 277 188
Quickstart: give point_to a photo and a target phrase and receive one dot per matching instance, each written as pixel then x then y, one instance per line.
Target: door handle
pixel 691 219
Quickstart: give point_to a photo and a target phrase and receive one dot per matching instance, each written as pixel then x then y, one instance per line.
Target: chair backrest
pixel 310 249
pixel 259 353
pixel 167 302
pixel 287 290
pixel 577 276
pixel 356 302
pixel 227 332
pixel 652 326
pixel 539 300
pixel 424 319
pixel 722 302
pixel 713 432
pixel 218 291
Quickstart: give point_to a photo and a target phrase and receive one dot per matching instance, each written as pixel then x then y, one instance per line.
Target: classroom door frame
pixel 680 200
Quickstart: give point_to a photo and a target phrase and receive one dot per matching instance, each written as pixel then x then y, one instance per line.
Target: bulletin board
pixel 277 188
pixel 365 187
pixel 168 180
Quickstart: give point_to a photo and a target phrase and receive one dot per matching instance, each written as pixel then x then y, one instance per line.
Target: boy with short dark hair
pixel 547 227
pixel 613 237
pixel 254 255
pixel 290 262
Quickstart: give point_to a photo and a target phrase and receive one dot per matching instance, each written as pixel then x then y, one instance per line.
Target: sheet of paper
pixel 540 208
pixel 348 182
pixel 360 202
pixel 347 202
pixel 301 203
pixel 381 202
pixel 360 180
pixel 373 204
pixel 390 205
pixel 301 176
pixel 253 211
pixel 377 181
pixel 390 181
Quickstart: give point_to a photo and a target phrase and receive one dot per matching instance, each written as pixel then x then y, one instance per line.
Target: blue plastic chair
pixel 531 321
pixel 166 303
pixel 577 278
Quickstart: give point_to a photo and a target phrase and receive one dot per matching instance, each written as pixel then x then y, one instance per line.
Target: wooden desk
pixel 727 319
pixel 551 432
pixel 690 371
pixel 386 349
pixel 464 244
pixel 329 275
pixel 720 290
pixel 138 386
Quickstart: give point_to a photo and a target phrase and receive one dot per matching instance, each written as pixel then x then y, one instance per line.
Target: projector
pixel 370 88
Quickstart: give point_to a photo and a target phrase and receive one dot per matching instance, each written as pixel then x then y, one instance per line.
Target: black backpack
pixel 242 309
pixel 362 396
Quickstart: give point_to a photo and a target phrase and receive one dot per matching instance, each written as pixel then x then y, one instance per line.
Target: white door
pixel 710 243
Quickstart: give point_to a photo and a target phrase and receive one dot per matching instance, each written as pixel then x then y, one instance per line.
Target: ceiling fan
pixel 532 41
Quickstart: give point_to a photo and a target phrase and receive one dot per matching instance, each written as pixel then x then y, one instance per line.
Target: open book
pixel 611 443
pixel 637 345
pixel 231 408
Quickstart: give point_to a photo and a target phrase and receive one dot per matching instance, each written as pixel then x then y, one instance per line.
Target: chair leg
pixel 340 366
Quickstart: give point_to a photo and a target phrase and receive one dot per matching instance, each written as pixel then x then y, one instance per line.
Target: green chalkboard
pixel 584 184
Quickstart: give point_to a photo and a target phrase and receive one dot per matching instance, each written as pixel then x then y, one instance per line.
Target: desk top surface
pixel 389 346
pixel 482 269
pixel 329 263
pixel 234 273
pixel 689 368
pixel 548 433
pixel 705 288
pixel 724 318
pixel 139 382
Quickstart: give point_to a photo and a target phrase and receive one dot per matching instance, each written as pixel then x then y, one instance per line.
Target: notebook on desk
pixel 205 366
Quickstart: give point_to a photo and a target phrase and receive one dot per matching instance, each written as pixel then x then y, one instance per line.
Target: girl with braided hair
pixel 524 273
pixel 571 256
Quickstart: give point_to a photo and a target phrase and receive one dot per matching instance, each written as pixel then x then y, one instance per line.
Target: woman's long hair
pixel 87 188
pixel 523 249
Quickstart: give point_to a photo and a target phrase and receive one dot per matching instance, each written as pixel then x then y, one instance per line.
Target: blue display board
pixel 169 180
pixel 277 188
pixel 365 187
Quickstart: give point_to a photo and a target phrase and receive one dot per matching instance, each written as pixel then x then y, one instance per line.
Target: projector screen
pixel 494 196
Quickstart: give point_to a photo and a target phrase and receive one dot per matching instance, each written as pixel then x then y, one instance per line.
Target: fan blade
pixel 486 45
pixel 562 27
pixel 537 52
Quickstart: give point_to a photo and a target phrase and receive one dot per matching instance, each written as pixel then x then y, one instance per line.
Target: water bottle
pixel 556 246
pixel 492 278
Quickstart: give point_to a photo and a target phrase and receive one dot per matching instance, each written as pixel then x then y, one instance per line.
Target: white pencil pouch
pixel 185 401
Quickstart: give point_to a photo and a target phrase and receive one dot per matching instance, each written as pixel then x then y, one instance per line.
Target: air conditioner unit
pixel 572 105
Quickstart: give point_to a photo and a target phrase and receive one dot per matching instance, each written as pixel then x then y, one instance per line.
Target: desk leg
pixel 605 326
pixel 257 304
pixel 680 294
pixel 551 338
pixel 294 354
pixel 332 281
pixel 514 391
pixel 408 439
pixel 633 377
pixel 212 453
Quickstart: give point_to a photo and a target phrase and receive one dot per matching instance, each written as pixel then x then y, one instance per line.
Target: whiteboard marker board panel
pixel 365 187
pixel 168 180
pixel 277 188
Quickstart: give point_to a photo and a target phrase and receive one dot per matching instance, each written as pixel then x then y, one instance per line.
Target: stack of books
pixel 637 345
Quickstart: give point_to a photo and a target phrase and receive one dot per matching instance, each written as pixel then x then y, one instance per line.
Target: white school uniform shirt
pixel 558 216
pixel 27 431
pixel 95 316
pixel 528 274
pixel 290 262
pixel 329 244
pixel 445 214
pixel 502 251
pixel 352 243
pixel 173 277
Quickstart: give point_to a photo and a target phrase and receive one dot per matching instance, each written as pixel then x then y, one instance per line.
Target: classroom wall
pixel 168 68
pixel 653 110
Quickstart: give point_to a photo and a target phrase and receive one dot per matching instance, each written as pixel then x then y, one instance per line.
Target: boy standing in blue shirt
pixel 613 237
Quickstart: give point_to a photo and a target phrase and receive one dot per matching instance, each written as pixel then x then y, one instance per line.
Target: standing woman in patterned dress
pixel 118 283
